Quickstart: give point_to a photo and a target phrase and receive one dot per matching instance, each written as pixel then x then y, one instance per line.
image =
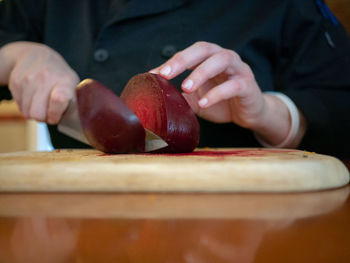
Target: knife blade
pixel 70 125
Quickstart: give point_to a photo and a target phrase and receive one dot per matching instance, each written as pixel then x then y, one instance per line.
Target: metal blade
pixel 70 123
pixel 154 142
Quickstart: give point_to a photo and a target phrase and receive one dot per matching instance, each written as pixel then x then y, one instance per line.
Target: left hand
pixel 221 88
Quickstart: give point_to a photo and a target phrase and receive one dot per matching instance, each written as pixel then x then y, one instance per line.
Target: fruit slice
pixel 161 108
pixel 108 124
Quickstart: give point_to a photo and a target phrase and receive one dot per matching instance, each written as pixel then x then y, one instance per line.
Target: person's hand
pixel 40 81
pixel 222 88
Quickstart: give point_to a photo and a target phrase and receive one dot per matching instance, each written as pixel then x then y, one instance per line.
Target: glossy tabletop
pixel 91 227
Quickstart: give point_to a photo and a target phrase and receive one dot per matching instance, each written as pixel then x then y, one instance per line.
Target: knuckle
pixel 44 74
pixel 235 57
pixel 198 74
pixel 238 86
pixel 201 44
pixel 247 70
pixel 28 78
pixel 226 56
pixel 47 52
pixel 207 47
pixel 59 97
pixel 179 61
pixel 179 58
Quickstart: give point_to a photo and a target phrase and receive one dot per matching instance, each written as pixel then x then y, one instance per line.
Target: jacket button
pixel 168 51
pixel 101 55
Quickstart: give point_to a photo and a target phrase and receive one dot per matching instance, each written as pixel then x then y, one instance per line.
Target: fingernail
pixel 153 71
pixel 166 70
pixel 203 102
pixel 188 85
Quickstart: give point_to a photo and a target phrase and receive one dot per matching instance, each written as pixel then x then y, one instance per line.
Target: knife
pixel 70 125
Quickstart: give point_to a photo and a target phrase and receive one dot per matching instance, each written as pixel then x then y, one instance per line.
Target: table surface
pixel 88 227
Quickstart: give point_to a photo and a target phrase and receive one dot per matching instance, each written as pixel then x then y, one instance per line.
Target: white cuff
pixel 294 115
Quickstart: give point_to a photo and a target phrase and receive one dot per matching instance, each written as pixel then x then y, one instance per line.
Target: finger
pixel 17 82
pixel 210 68
pixel 225 61
pixel 39 105
pixel 42 86
pixel 37 85
pixel 156 70
pixel 28 87
pixel 15 88
pixel 187 59
pixel 227 90
pixel 59 99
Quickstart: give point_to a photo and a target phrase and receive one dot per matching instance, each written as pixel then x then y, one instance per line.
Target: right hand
pixel 41 82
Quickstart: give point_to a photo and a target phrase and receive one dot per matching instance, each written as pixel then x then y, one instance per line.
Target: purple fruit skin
pixel 108 124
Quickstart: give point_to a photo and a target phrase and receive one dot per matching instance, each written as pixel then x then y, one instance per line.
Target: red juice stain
pixel 220 153
pixel 209 153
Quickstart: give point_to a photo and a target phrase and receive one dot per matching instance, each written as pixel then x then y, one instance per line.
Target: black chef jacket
pixel 293 46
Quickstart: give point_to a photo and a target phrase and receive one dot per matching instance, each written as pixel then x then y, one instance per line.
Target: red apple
pixel 161 108
pixel 108 124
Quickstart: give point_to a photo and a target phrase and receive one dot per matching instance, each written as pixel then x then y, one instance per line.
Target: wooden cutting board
pixel 205 170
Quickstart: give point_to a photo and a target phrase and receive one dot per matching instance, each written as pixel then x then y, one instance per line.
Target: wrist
pixel 293 125
pixel 274 122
